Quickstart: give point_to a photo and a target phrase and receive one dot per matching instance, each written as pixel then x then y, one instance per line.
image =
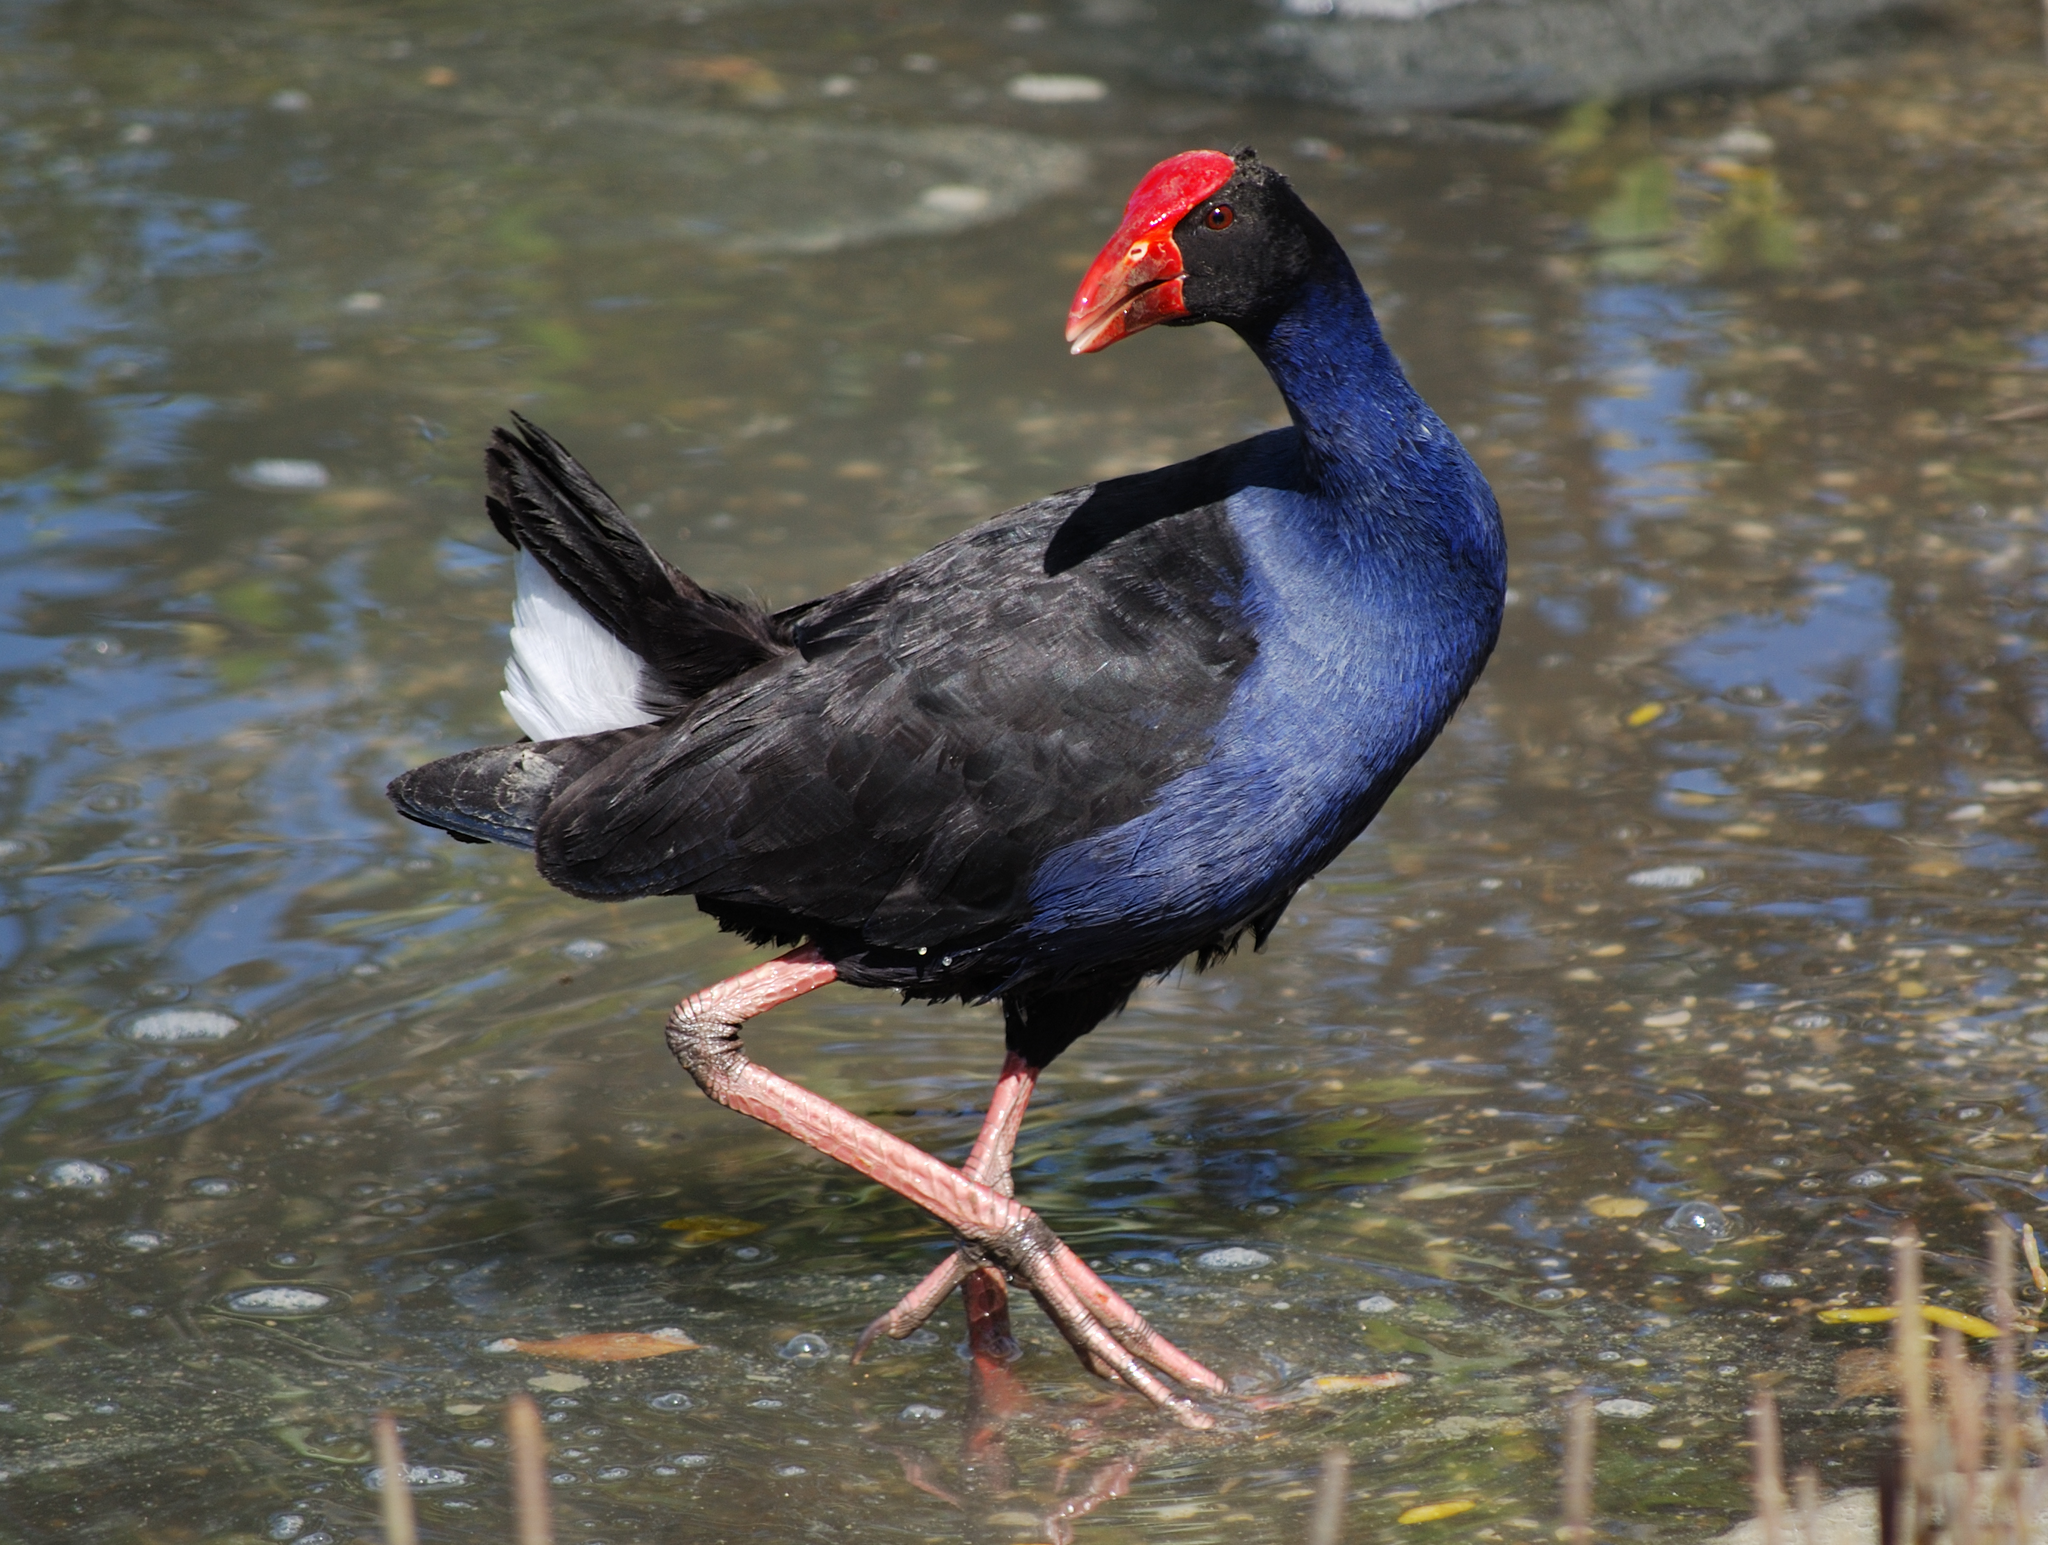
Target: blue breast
pixel 1368 639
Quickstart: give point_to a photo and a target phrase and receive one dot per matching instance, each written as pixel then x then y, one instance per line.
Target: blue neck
pixel 1359 418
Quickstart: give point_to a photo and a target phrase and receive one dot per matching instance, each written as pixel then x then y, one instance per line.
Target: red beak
pixel 1136 279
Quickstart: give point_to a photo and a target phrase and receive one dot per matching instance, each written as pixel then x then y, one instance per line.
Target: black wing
pixel 944 726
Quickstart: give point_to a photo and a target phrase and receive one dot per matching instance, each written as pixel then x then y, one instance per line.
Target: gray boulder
pixel 1400 56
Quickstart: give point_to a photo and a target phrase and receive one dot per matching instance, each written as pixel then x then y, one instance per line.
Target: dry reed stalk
pixel 532 1524
pixel 1965 1454
pixel 1578 1470
pixel 1806 1495
pixel 2005 1416
pixel 399 1525
pixel 1909 1344
pixel 1767 1481
pixel 1326 1523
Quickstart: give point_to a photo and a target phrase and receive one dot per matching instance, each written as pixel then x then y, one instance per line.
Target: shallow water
pixel 1725 888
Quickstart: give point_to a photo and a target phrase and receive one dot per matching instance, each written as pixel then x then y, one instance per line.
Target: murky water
pixel 1726 888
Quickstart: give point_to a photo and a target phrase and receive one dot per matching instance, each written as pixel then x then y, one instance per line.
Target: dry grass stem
pixel 530 1513
pixel 2005 1415
pixel 400 1527
pixel 1909 1347
pixel 1767 1482
pixel 1806 1497
pixel 1326 1523
pixel 1578 1470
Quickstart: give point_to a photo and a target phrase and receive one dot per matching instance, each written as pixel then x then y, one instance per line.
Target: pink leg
pixel 703 1034
pixel 988 1162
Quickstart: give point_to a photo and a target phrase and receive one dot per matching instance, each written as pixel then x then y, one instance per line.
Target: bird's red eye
pixel 1219 217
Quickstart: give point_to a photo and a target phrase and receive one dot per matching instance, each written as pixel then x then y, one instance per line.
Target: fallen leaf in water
pixel 1954 1319
pixel 1344 1383
pixel 1616 1206
pixel 622 1346
pixel 1430 1512
pixel 1864 1371
pixel 709 1228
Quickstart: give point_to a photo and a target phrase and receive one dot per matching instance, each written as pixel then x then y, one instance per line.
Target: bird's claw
pixel 1110 1337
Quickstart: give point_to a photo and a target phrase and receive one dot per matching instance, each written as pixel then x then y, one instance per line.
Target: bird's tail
pixel 499 794
pixel 606 632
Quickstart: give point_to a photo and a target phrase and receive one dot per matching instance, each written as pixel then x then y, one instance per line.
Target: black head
pixel 1205 238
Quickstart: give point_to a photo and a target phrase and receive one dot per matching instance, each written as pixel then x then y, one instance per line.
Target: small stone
pixel 1625 1410
pixel 1056 89
pixel 1233 1258
pixel 283 473
pixel 558 1383
pixel 1379 1303
pixel 279 1301
pixel 180 1027
pixel 1668 877
pixel 957 198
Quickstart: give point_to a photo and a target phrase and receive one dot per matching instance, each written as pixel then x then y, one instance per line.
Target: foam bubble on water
pixel 920 1412
pixel 586 949
pixel 70 1281
pixel 141 1240
pixel 282 472
pixel 420 1478
pixel 1699 1225
pixel 1379 1303
pixel 1054 89
pixel 179 1027
pixel 279 1300
pixel 1668 877
pixel 1233 1258
pixel 806 1347
pixel 75 1175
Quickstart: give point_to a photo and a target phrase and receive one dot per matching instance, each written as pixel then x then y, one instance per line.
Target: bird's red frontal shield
pixel 1135 280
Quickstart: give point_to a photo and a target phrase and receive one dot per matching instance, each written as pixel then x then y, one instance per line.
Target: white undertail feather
pixel 567 675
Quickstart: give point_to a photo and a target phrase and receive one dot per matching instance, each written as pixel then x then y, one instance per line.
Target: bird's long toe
pixel 918 1305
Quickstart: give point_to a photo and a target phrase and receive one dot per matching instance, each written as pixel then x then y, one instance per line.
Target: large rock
pixel 1397 56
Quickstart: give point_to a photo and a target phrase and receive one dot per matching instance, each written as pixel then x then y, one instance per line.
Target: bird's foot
pixel 1111 1338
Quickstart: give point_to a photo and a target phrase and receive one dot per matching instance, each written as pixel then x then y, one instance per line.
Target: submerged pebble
pixel 1054 89
pixel 1668 877
pixel 282 472
pixel 179 1027
pixel 279 1301
pixel 1625 1410
pixel 1233 1258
